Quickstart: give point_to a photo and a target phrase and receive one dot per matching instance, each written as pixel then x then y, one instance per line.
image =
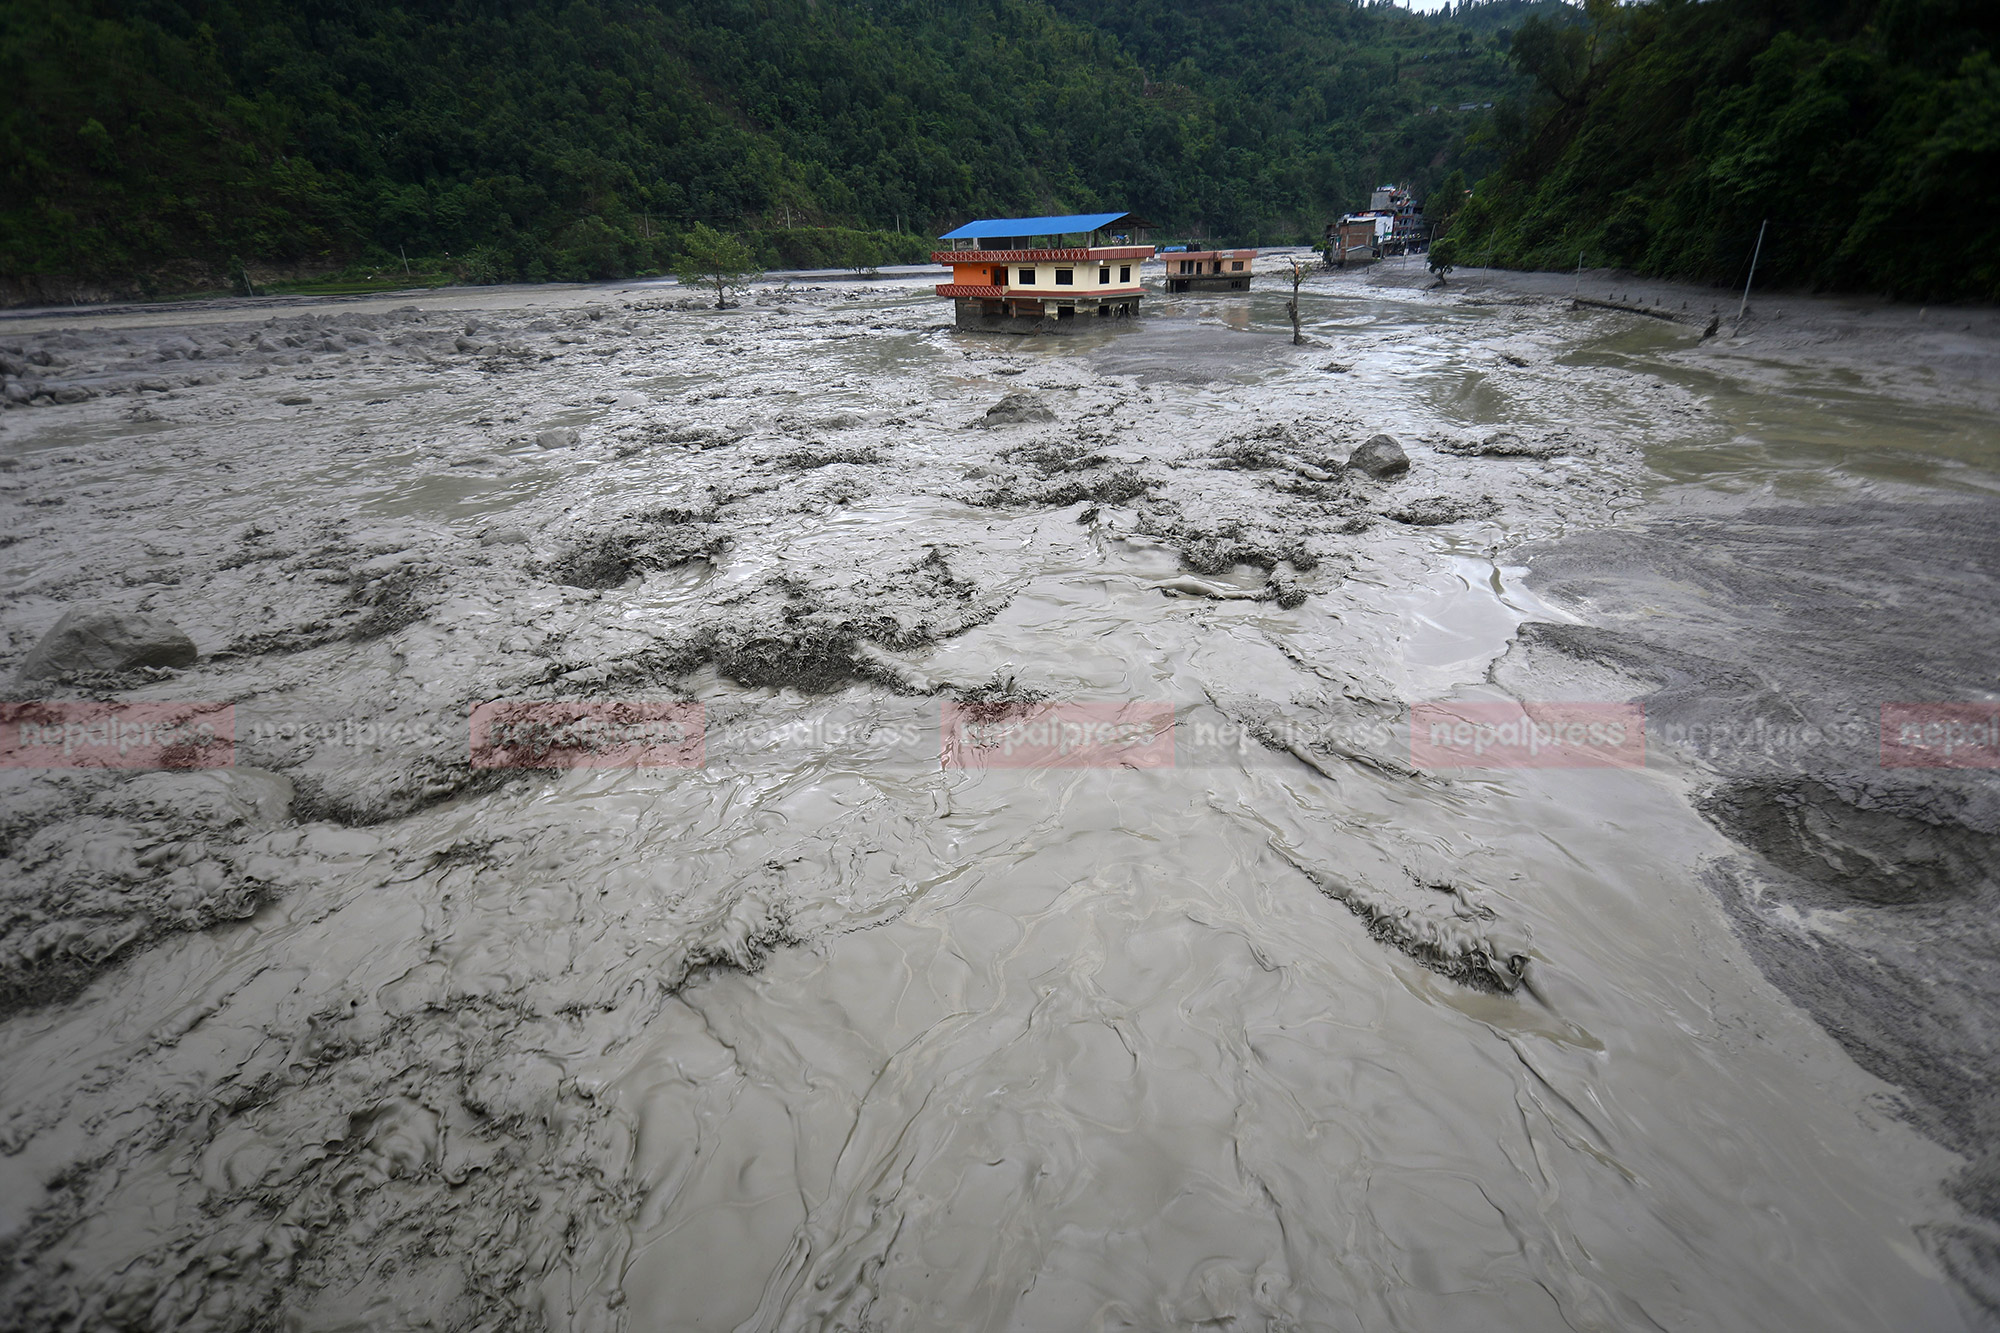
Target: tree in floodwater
pixel 1292 308
pixel 1443 258
pixel 709 256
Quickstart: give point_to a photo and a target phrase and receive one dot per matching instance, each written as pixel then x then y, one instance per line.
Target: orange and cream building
pixel 1026 275
pixel 1208 270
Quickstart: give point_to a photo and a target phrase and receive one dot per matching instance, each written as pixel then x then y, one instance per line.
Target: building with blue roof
pixel 1041 274
pixel 1064 224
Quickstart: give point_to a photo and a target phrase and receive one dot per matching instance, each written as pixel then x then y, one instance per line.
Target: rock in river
pixel 1016 409
pixel 98 638
pixel 1381 456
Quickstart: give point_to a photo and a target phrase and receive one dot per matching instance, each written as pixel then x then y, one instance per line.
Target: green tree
pixel 1443 258
pixel 864 253
pixel 710 257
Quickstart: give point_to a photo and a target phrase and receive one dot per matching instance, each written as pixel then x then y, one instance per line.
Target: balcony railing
pixel 971 291
pixel 1101 254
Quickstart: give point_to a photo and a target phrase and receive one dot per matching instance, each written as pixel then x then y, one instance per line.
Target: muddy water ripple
pixel 828 1034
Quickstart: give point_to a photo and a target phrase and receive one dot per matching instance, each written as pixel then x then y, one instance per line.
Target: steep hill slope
pixel 1661 136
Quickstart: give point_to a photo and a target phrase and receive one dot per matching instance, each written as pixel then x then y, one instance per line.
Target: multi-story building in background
pixel 1025 275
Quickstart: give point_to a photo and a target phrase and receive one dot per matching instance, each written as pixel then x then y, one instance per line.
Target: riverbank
pixel 1894 348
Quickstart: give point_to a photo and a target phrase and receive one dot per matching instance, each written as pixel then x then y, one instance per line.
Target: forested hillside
pixel 169 144
pixel 1660 137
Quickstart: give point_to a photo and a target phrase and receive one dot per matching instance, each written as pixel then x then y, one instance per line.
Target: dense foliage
pixel 172 142
pixel 1659 137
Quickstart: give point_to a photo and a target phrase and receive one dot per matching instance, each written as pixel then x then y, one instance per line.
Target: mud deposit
pixel 824 1032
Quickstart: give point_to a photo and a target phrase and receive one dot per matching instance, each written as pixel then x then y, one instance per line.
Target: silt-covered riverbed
pixel 824 1028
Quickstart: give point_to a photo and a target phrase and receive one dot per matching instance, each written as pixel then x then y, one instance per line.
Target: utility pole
pixel 1745 305
pixel 406 259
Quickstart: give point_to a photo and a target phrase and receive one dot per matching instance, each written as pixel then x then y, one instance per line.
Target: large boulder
pixel 97 638
pixel 1381 456
pixel 1017 409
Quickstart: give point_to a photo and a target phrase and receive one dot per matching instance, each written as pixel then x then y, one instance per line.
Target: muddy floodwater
pixel 842 1010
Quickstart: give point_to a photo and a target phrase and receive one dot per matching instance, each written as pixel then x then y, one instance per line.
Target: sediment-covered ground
pixel 823 1029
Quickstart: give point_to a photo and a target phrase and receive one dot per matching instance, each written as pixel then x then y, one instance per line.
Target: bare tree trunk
pixel 1298 276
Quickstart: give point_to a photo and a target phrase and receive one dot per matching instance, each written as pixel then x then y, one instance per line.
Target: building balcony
pixel 1081 255
pixel 971 291
pixel 1170 257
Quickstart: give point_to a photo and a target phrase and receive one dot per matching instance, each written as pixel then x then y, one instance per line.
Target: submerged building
pixel 1208 270
pixel 1356 239
pixel 1029 275
pixel 1393 225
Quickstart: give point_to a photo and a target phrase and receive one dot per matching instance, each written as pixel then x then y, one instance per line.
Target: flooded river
pixel 842 1029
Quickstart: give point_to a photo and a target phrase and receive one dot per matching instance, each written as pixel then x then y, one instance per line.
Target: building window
pixel 1027 277
pixel 1125 273
pixel 1187 266
pixel 1103 277
pixel 1236 266
pixel 1065 277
